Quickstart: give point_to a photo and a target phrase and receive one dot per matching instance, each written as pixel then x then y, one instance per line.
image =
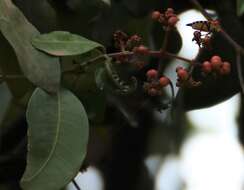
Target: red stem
pixel 158 54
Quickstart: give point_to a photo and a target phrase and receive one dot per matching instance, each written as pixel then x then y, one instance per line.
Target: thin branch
pixel 172 91
pixel 178 57
pixel 166 38
pixel 159 54
pixel 76 185
pixel 164 48
pixel 231 41
pixel 122 53
pixel 201 9
pixel 239 70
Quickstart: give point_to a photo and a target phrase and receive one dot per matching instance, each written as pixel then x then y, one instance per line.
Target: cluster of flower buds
pixel 154 85
pixel 133 41
pixel 168 18
pixel 216 66
pixel 124 42
pixel 120 39
pixel 184 79
pixel 203 41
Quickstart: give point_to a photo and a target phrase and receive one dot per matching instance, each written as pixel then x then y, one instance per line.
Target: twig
pixel 76 185
pixel 201 9
pixel 164 48
pixel 178 57
pixel 159 54
pixel 239 70
pixel 231 41
pixel 172 91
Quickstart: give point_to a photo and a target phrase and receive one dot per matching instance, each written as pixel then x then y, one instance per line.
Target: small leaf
pixel 61 43
pixel 57 140
pixel 240 7
pixel 39 68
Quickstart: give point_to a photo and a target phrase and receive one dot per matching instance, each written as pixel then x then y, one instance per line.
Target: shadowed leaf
pixel 41 69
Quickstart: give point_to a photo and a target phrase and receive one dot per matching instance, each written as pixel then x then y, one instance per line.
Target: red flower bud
pixel 164 81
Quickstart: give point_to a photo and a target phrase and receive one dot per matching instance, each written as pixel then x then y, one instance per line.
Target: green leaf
pixel 61 43
pixel 39 68
pixel 57 140
pixel 240 7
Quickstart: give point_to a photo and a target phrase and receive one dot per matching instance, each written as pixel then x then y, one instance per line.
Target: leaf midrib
pixel 61 42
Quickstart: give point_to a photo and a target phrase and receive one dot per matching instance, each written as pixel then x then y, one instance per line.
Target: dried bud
pixel 164 81
pixel 206 67
pixel 156 15
pixel 152 74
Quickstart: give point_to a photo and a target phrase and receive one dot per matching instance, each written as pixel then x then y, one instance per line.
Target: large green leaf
pixel 57 140
pixel 60 43
pixel 39 68
pixel 240 7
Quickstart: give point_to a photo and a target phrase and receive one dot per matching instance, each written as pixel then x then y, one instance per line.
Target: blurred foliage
pixel 124 129
pixel 240 7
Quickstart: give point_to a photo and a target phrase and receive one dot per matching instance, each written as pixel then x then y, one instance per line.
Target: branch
pixel 201 9
pixel 164 46
pixel 239 70
pixel 231 41
pixel 172 92
pixel 178 57
pixel 159 54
